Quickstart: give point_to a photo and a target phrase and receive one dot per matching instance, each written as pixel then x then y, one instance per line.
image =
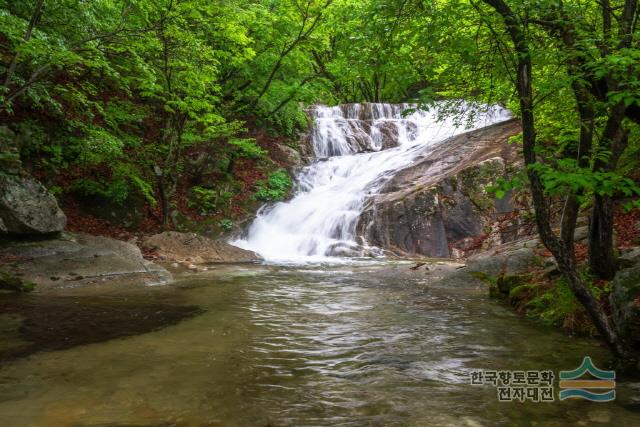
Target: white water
pixel 319 223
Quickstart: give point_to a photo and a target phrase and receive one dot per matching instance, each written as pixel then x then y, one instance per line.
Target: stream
pixel 362 344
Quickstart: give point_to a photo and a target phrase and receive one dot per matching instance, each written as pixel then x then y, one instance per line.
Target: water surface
pixel 350 345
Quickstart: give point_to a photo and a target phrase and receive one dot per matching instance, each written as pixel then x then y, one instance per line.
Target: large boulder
pixel 76 259
pixel 193 248
pixel 509 258
pixel 26 207
pixel 439 205
pixel 625 304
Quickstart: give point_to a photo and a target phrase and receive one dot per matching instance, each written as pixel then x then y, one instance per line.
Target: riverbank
pixel 524 276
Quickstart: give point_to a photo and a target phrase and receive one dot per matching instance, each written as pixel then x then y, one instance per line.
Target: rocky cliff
pixel 439 206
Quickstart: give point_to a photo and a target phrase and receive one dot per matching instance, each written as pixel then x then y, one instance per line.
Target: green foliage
pixel 56 190
pixel 123 181
pixel 568 177
pixel 247 147
pixel 116 190
pixel 277 187
pixel 128 173
pixel 209 200
pixel 557 305
pixel 206 199
pixel 225 224
pixel 554 306
pixel 10 282
pixel 123 93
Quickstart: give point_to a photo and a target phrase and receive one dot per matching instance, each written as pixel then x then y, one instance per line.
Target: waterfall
pixel 358 147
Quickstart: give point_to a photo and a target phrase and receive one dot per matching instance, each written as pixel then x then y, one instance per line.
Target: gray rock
pixel 625 304
pixel 191 248
pixel 26 207
pixel 290 155
pixel 343 249
pixel 74 260
pixel 508 259
pixel 630 257
pixel 440 202
pixel 581 233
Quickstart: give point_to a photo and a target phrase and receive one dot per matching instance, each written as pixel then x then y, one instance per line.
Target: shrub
pixel 225 224
pixel 276 187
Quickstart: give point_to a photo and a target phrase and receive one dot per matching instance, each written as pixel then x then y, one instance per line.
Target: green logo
pixel 573 387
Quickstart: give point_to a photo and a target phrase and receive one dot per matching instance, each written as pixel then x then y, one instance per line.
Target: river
pixel 362 344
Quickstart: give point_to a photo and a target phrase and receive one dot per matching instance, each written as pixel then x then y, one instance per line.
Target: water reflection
pixel 349 346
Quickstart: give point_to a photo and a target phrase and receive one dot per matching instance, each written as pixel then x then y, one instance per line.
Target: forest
pixel 191 113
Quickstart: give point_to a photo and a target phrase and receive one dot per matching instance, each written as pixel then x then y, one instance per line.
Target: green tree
pixel 549 34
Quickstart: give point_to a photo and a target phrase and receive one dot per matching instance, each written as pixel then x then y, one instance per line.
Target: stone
pixel 507 283
pixel 509 258
pixel 439 206
pixel 26 207
pixel 76 260
pixel 174 246
pixel 343 249
pixel 291 156
pixel 629 258
pixel 625 305
pixel 581 233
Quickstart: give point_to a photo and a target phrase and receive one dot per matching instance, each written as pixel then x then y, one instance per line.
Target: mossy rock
pixel 507 283
pixel 9 282
pixel 521 293
pixel 494 292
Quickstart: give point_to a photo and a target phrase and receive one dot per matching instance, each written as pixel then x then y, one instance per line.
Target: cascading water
pixel 358 147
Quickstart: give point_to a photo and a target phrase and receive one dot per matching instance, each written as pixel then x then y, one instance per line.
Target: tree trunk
pixel 602 259
pixel 162 193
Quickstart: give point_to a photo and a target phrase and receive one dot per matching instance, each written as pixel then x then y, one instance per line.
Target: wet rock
pixel 625 304
pixel 75 259
pixel 344 249
pixel 26 207
pixel 366 127
pixel 291 156
pixel 174 246
pixel 439 206
pixel 506 283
